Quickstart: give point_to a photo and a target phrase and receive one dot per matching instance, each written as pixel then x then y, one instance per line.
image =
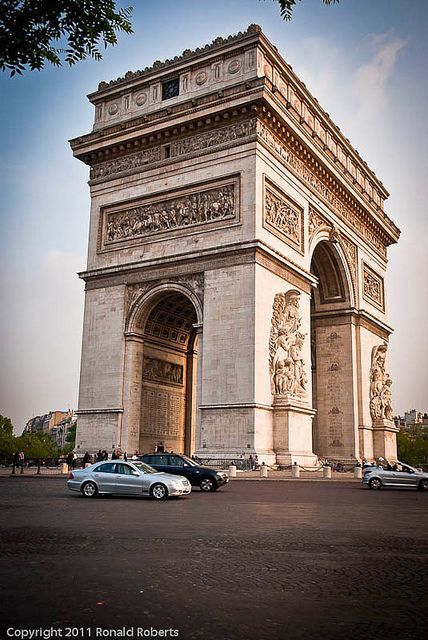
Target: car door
pixel 128 480
pixel 104 475
pixel 161 462
pixel 179 467
pixel 407 477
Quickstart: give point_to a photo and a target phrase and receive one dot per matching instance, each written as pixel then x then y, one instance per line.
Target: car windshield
pixel 143 467
pixel 406 467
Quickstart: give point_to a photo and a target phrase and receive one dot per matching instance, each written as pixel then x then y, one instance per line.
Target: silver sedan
pixel 127 478
pixel 400 475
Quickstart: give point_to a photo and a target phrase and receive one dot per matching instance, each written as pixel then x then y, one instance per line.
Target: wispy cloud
pixel 371 79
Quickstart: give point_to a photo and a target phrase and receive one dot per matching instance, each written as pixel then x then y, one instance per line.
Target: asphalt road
pixel 255 560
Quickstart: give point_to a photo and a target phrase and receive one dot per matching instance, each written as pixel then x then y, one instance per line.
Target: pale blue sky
pixel 365 61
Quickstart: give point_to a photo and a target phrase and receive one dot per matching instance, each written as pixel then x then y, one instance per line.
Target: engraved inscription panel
pixel 162 412
pixel 373 287
pixel 283 217
pixel 180 210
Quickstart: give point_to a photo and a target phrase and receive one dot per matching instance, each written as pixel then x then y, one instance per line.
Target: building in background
pixel 55 423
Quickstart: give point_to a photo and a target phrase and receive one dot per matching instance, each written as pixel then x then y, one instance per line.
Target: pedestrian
pixel 105 455
pixel 125 456
pixel 70 460
pixel 21 461
pixel 256 461
pixel 135 455
pixel 86 460
pixel 15 461
pixel 251 462
pixel 99 455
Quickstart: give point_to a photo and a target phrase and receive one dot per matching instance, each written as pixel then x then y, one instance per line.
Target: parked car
pixel 127 478
pixel 402 475
pixel 203 477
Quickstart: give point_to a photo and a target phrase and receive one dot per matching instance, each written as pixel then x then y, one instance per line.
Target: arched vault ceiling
pixel 325 265
pixel 171 320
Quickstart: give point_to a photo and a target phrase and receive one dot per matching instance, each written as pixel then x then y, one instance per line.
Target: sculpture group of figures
pixel 287 367
pixel 380 386
pixel 205 206
pixel 282 216
pixel 155 369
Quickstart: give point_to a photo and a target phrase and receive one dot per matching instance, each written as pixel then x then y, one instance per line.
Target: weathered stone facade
pixel 237 256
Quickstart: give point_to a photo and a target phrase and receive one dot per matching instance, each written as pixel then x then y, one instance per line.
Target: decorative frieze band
pixel 292 160
pixel 283 217
pixel 162 371
pixel 176 149
pixel 179 210
pixel 373 288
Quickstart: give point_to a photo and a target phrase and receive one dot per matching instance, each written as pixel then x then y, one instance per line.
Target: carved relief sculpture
pixel 183 211
pixel 185 146
pixel 283 218
pixel 380 386
pixel 286 365
pixel 372 287
pixel 162 370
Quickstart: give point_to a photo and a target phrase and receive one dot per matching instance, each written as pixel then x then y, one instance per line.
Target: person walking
pixel 21 461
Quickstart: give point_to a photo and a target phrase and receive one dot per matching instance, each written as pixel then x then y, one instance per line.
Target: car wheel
pixel 208 484
pixel 159 491
pixel 375 483
pixel 423 485
pixel 90 490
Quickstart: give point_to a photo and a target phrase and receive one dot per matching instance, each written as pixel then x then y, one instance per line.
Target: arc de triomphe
pixel 235 296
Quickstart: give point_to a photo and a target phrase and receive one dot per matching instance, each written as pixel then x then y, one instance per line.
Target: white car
pixel 127 478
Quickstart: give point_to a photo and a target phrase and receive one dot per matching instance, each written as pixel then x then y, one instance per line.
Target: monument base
pixel 292 431
pixel 384 439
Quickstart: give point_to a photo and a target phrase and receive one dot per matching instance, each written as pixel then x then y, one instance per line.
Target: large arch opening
pixel 169 373
pixel 331 355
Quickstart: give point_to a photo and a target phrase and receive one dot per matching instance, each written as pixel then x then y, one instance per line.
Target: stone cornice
pixel 121 137
pixel 359 317
pixel 145 152
pixel 310 109
pixel 192 262
pixel 288 91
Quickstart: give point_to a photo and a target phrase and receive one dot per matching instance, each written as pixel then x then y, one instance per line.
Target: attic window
pixel 170 88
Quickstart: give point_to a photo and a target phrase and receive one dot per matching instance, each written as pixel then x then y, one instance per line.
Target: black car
pixel 204 477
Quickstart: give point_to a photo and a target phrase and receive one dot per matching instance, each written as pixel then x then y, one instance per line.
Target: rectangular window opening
pixel 170 88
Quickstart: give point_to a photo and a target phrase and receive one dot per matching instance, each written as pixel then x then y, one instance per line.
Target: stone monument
pixel 235 299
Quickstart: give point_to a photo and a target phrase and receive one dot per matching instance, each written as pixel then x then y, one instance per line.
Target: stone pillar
pixel 198 444
pixel 133 375
pixel 384 429
pixel 289 355
pixel 191 373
